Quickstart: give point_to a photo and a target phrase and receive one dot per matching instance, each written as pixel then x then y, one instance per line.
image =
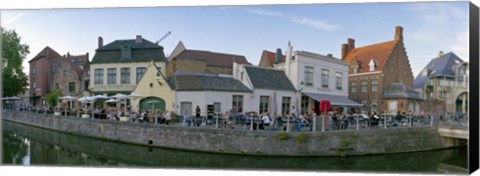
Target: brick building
pixel 68 76
pixel 198 61
pixel 42 68
pixel 268 58
pixel 380 75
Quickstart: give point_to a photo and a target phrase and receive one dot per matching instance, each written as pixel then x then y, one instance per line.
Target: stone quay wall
pixel 270 143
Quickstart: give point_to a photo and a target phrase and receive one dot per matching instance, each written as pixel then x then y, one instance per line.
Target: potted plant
pixel 52 100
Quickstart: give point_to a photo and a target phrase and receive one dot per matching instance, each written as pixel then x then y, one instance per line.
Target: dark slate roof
pixel 205 82
pixel 399 90
pixel 140 52
pixel 212 58
pixel 268 78
pixel 438 67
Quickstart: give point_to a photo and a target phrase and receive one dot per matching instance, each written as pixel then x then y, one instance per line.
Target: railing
pixel 318 124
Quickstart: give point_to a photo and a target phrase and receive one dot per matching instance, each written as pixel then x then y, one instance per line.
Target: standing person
pixel 197 116
pixel 266 121
pixel 185 116
pixel 168 117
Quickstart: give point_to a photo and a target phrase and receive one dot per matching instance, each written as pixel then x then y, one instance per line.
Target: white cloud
pixel 461 45
pixel 315 23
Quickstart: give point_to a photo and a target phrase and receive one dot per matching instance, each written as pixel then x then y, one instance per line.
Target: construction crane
pixel 164 36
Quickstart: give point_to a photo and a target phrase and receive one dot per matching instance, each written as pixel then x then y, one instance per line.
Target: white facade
pixel 204 98
pixel 303 60
pixel 240 74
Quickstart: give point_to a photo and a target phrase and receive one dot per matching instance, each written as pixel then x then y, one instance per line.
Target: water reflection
pixel 45 147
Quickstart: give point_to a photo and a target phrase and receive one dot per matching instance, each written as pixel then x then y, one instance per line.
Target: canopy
pixel 86 99
pixel 100 97
pixel 11 98
pixel 335 100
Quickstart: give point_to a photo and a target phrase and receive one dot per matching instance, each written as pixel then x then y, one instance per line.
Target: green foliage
pixel 13 54
pixel 282 136
pixel 302 137
pixel 344 143
pixel 52 98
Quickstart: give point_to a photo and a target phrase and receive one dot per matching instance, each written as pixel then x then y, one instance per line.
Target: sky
pixel 429 27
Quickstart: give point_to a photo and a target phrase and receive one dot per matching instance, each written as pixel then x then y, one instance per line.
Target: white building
pixel 317 77
pixel 272 90
pixel 212 93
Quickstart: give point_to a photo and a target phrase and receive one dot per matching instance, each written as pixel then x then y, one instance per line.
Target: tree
pixel 52 98
pixel 13 53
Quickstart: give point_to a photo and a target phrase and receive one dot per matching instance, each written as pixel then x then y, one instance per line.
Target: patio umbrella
pixel 134 96
pixel 122 97
pixel 69 99
pixel 111 100
pixel 100 97
pixel 85 100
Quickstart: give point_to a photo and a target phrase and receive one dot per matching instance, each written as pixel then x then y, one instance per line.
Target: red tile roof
pixel 379 52
pixel 212 58
pixel 47 52
pixel 271 57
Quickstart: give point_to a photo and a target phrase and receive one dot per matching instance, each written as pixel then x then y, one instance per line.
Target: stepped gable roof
pixel 400 90
pixel 143 51
pixel 438 67
pixel 379 52
pixel 271 57
pixel 268 78
pixel 205 82
pixel 47 52
pixel 212 58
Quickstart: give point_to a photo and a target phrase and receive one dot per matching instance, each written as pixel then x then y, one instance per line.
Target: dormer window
pixel 355 69
pixel 372 65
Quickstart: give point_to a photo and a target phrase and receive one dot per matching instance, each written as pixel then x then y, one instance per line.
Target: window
pixel 65 73
pixel 374 85
pixel 353 86
pixel 98 76
pixel 34 84
pixel 308 79
pixel 364 102
pixel 140 72
pixel 264 104
pixel 55 66
pixel 71 86
pixel 443 94
pixel 86 84
pixel 355 69
pixel 34 70
pixel 338 80
pixel 125 75
pixel 57 86
pixel 324 80
pixel 286 105
pixel 112 76
pixel 237 103
pixel 364 85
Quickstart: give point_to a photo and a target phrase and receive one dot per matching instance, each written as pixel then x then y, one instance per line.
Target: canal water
pixel 27 145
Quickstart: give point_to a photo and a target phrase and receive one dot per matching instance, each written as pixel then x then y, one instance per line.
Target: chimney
pixel 351 44
pixel 100 42
pixel 440 53
pixel 278 56
pixel 139 39
pixel 399 33
pixel 288 56
pixel 344 50
pixel 68 53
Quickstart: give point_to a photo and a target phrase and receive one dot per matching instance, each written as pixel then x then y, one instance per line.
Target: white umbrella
pixel 111 101
pixel 69 99
pixel 85 100
pixel 120 96
pixel 100 97
pixel 135 95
